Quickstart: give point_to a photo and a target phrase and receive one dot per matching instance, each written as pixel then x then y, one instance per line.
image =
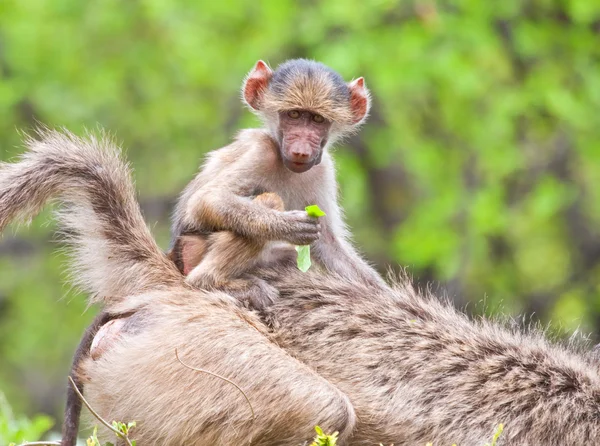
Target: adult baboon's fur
pixel 417 370
pixel 118 262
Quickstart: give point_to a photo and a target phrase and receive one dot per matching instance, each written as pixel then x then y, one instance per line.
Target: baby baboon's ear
pixel 256 83
pixel 360 100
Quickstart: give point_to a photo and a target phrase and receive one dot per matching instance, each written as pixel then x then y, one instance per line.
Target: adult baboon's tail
pixel 114 254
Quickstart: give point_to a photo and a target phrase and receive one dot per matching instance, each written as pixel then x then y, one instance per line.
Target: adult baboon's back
pixel 417 370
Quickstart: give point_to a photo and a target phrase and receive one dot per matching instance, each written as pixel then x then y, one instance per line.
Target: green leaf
pixel 20 429
pixel 314 211
pixel 497 434
pixel 303 259
pixel 323 439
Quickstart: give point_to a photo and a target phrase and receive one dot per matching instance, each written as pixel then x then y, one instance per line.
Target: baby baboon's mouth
pixel 298 167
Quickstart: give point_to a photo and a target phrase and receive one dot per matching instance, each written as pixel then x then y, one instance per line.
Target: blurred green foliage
pixel 479 167
pixel 20 429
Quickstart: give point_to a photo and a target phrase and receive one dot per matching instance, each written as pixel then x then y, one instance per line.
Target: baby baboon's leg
pixel 225 259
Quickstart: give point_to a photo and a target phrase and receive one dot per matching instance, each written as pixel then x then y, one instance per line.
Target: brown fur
pixel 219 198
pixel 313 89
pixel 100 211
pixel 310 92
pixel 139 378
pixel 417 370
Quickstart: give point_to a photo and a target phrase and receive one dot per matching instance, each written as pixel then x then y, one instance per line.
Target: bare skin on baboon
pixel 117 261
pixel 305 107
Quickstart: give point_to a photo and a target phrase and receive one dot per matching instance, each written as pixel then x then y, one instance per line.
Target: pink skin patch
pixel 359 102
pixel 302 135
pixel 256 83
pixel 108 334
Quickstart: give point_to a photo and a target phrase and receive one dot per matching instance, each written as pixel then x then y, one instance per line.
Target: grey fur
pixel 417 370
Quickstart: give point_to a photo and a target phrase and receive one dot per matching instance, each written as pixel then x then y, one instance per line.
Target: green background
pixel 479 168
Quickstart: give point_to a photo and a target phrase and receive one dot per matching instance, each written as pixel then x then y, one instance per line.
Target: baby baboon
pixel 117 261
pixel 306 107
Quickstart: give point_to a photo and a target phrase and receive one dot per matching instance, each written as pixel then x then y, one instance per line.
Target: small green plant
pixel 324 440
pixel 21 429
pixel 93 440
pixel 303 260
pixel 122 428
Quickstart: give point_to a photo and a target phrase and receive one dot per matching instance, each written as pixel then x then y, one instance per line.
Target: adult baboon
pixel 415 369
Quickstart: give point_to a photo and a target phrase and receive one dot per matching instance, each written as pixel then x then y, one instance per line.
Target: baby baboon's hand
pixel 300 229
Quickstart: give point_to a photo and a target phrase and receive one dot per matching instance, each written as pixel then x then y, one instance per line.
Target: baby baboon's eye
pixel 294 114
pixel 318 118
